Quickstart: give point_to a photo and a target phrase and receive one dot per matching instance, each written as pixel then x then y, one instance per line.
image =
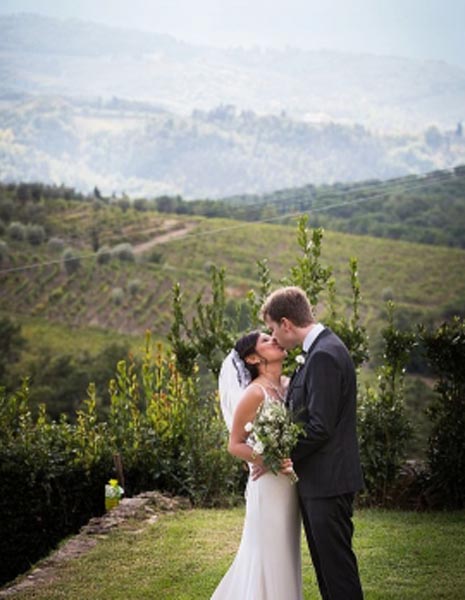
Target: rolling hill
pixel 133 292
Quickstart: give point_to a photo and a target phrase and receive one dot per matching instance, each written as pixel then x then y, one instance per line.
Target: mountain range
pixel 146 114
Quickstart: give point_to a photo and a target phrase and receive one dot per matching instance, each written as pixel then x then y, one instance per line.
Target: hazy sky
pixel 424 29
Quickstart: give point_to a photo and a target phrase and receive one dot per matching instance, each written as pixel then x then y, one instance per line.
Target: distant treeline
pixel 427 209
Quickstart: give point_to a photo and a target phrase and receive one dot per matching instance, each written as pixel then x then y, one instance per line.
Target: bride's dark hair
pixel 246 346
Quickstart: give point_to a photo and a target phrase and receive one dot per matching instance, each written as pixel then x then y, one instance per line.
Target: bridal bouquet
pixel 273 435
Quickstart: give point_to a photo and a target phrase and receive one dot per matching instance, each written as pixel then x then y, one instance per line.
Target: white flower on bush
pixel 248 427
pixel 258 447
pixel 300 359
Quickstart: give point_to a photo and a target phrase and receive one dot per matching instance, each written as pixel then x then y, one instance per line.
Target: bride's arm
pixel 245 413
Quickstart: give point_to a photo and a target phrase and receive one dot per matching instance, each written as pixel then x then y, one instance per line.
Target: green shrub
pixel 168 434
pixel 445 349
pixel 56 294
pixel 35 234
pixel 71 261
pixel 171 436
pixel 56 244
pixel 53 478
pixel 3 251
pixel 104 255
pixel 134 286
pixel 117 296
pixel 124 252
pixel 383 428
pixel 387 294
pixel 123 203
pixel 155 257
pixel 11 345
pixel 17 231
pixel 7 210
pixel 141 204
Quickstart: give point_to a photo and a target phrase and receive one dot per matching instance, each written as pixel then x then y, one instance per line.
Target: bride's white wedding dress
pixel 267 565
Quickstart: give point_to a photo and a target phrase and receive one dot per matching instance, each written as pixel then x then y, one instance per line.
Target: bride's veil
pixel 232 381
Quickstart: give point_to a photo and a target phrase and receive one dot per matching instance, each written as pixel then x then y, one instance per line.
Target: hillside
pixel 142 150
pixel 133 292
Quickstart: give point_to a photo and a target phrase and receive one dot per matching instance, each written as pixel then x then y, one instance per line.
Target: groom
pixel 322 395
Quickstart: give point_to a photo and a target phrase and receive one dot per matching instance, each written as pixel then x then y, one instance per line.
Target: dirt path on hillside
pixel 141 511
pixel 162 238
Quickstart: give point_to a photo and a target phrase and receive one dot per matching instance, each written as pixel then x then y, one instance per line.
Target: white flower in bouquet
pixel 273 435
pixel 258 447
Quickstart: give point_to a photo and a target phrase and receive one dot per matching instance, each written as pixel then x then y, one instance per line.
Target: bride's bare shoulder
pixel 250 400
pixel 253 395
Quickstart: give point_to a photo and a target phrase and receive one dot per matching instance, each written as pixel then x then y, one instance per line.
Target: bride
pixel 267 564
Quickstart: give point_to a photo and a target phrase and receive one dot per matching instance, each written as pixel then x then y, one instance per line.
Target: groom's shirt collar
pixel 311 336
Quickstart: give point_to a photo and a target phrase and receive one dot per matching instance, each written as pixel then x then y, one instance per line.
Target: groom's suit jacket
pixel 322 396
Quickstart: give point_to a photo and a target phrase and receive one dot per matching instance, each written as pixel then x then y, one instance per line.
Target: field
pixel 402 556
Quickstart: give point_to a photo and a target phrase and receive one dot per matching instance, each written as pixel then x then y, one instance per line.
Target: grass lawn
pixel 402 555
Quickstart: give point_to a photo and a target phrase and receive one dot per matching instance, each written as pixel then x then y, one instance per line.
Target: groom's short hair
pixel 291 303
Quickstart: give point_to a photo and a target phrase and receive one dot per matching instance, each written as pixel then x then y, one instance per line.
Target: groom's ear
pixel 286 324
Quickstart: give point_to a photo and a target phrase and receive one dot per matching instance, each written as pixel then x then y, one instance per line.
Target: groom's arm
pixel 321 401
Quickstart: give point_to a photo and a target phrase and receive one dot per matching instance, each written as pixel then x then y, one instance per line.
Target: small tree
pixel 352 333
pixel 383 427
pixel 308 273
pixel 212 332
pixel 256 300
pixel 182 346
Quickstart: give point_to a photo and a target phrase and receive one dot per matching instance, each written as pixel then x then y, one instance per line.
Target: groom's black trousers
pixel 329 529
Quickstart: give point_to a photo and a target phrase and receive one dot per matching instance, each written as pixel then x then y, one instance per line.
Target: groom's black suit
pixel 322 396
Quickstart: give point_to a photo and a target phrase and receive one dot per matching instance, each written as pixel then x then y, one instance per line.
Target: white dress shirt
pixel 311 336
